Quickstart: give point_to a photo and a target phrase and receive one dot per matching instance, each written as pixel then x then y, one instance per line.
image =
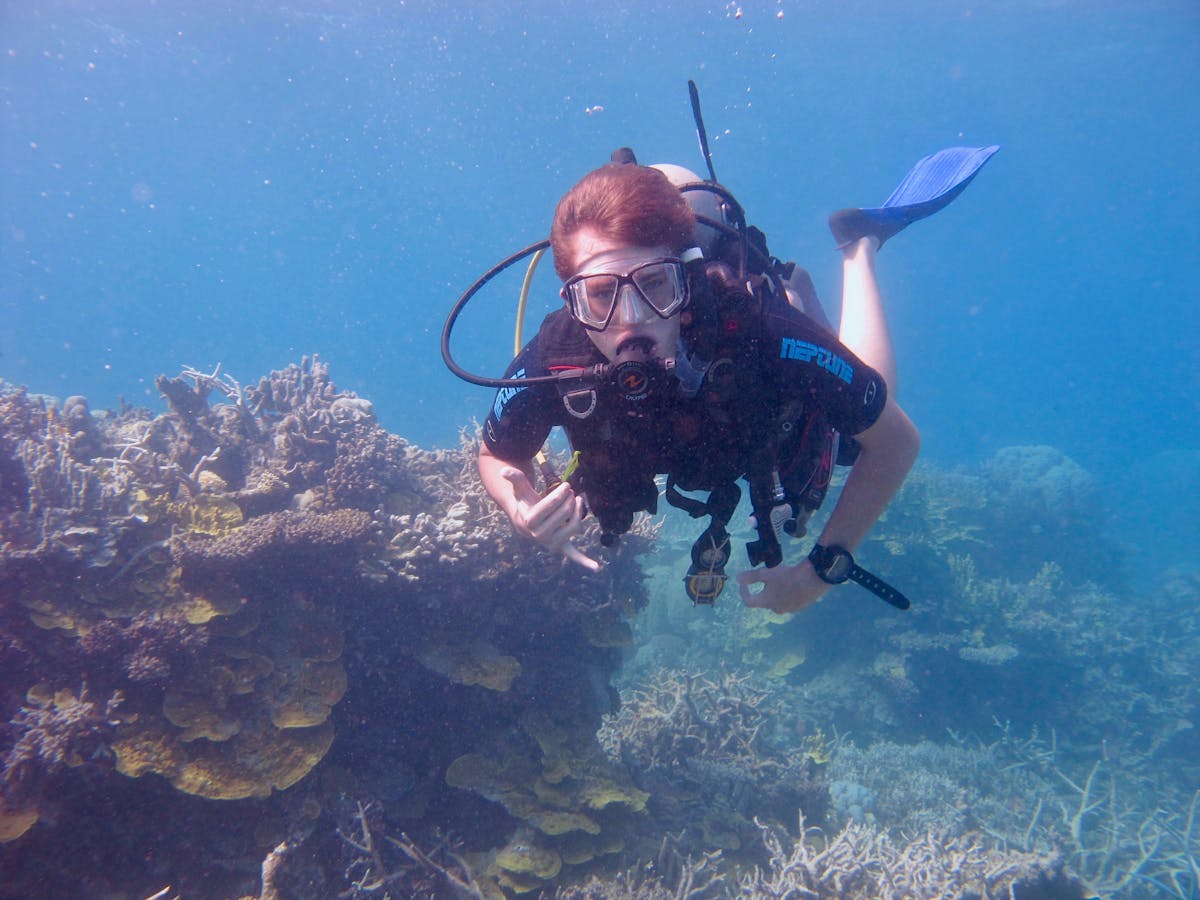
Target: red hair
pixel 630 204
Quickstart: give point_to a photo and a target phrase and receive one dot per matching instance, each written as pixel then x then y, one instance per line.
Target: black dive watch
pixel 835 565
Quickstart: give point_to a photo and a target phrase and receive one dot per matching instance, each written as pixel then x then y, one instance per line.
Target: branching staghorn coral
pixel 861 863
pixel 1117 846
pixel 670 875
pixel 374 870
pixel 678 716
pixel 1113 826
pixel 858 863
pixel 705 746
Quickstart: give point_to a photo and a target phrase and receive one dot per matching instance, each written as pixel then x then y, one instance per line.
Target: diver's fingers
pixel 555 519
pixel 552 511
pixel 575 555
pixel 565 523
pixel 753 588
pixel 523 489
pixel 560 538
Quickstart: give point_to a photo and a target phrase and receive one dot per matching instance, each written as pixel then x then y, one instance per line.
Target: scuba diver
pixel 684 349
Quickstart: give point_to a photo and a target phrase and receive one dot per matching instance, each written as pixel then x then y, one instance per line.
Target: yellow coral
pixel 15 822
pixel 816 748
pixel 551 739
pixel 246 674
pixel 578 848
pixel 325 644
pixel 250 764
pixel 478 663
pixel 516 882
pixel 200 716
pixel 557 821
pixel 200 608
pixel 238 624
pixel 210 514
pixel 310 696
pixel 51 608
pixel 524 855
pixel 551 793
pixel 785 664
pixel 41 694
pixel 760 624
pixel 511 784
pixel 475 772
pixel 598 793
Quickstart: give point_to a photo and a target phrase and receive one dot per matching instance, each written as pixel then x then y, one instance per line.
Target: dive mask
pixel 593 299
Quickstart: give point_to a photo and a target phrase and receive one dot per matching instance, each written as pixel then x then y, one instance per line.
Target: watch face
pixel 839 567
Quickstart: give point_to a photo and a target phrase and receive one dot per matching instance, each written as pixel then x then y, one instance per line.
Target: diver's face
pixel 635 330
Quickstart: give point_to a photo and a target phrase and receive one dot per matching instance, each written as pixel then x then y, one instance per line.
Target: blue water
pixel 194 183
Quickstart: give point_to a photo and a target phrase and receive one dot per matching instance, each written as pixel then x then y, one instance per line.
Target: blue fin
pixel 931 184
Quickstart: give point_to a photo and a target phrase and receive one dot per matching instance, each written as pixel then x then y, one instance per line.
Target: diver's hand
pixel 551 520
pixel 785 589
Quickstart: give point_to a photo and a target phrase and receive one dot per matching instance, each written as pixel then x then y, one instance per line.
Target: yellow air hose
pixel 533 264
pixel 549 479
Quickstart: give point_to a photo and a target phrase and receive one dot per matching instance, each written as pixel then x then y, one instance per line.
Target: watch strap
pixel 878 587
pixel 823 556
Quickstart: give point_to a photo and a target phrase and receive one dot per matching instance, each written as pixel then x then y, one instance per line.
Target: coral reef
pixel 709 751
pixel 58 729
pixel 1020 619
pixel 380 862
pixel 861 863
pixel 192 595
pixel 293 655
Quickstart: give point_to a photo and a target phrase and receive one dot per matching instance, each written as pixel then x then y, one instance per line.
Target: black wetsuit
pixel 775 375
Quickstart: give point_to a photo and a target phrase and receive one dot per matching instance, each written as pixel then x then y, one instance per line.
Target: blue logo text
pixel 823 357
pixel 505 394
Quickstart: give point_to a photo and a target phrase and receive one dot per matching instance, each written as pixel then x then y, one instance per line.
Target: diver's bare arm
pixel 863 327
pixel 889 449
